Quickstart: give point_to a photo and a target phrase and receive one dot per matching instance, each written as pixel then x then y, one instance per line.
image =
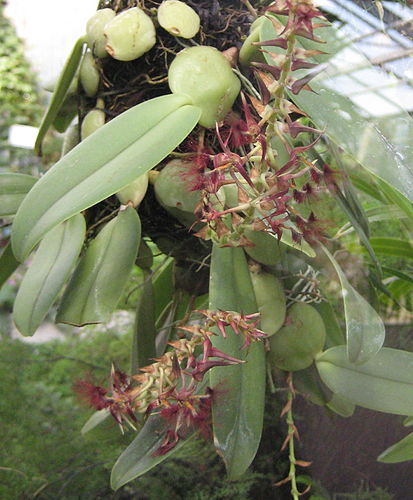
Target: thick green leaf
pixel 101 165
pixel 48 272
pixel 98 281
pixel 8 264
pixel 139 457
pixel 399 452
pixel 13 188
pixel 365 139
pixel 341 406
pixel 364 328
pixel 63 84
pixel 239 405
pixel 384 383
pixel 308 383
pixel 144 334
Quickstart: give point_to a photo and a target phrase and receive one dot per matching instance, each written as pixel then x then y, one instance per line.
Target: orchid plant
pixel 240 156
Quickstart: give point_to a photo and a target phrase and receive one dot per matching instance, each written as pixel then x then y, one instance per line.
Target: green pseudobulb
pixel 271 302
pixel 302 337
pixel 204 75
pixel 94 31
pixel 129 35
pixel 178 19
pixel 172 190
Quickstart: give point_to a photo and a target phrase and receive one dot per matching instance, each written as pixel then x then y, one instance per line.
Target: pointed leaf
pixel 96 419
pixel 13 188
pixel 8 264
pixel 101 165
pixel 399 452
pixel 364 328
pixel 65 79
pixel 384 383
pixel 238 413
pixel 98 281
pixel 48 272
pixel 139 457
pixel 408 421
pixel 399 274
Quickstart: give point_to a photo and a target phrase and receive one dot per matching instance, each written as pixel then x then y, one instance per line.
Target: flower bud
pixel 129 35
pixel 178 19
pixel 204 75
pixel 94 31
pixel 89 75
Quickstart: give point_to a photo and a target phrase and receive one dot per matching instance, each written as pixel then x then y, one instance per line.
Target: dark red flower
pixel 91 394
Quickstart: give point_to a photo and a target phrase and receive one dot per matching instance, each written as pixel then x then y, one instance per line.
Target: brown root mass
pixel 224 24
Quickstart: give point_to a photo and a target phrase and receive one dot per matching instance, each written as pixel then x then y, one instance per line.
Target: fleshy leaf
pixel 59 95
pixel 384 383
pixel 13 188
pixel 341 406
pixel 48 272
pixel 364 328
pixel 101 165
pixel 399 452
pixel 98 281
pixel 139 457
pixel 238 407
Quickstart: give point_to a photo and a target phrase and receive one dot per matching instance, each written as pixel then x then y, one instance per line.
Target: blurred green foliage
pixel 18 95
pixel 43 454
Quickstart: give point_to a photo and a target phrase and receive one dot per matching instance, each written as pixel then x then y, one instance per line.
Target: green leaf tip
pixel 383 383
pixel 58 98
pixel 101 165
